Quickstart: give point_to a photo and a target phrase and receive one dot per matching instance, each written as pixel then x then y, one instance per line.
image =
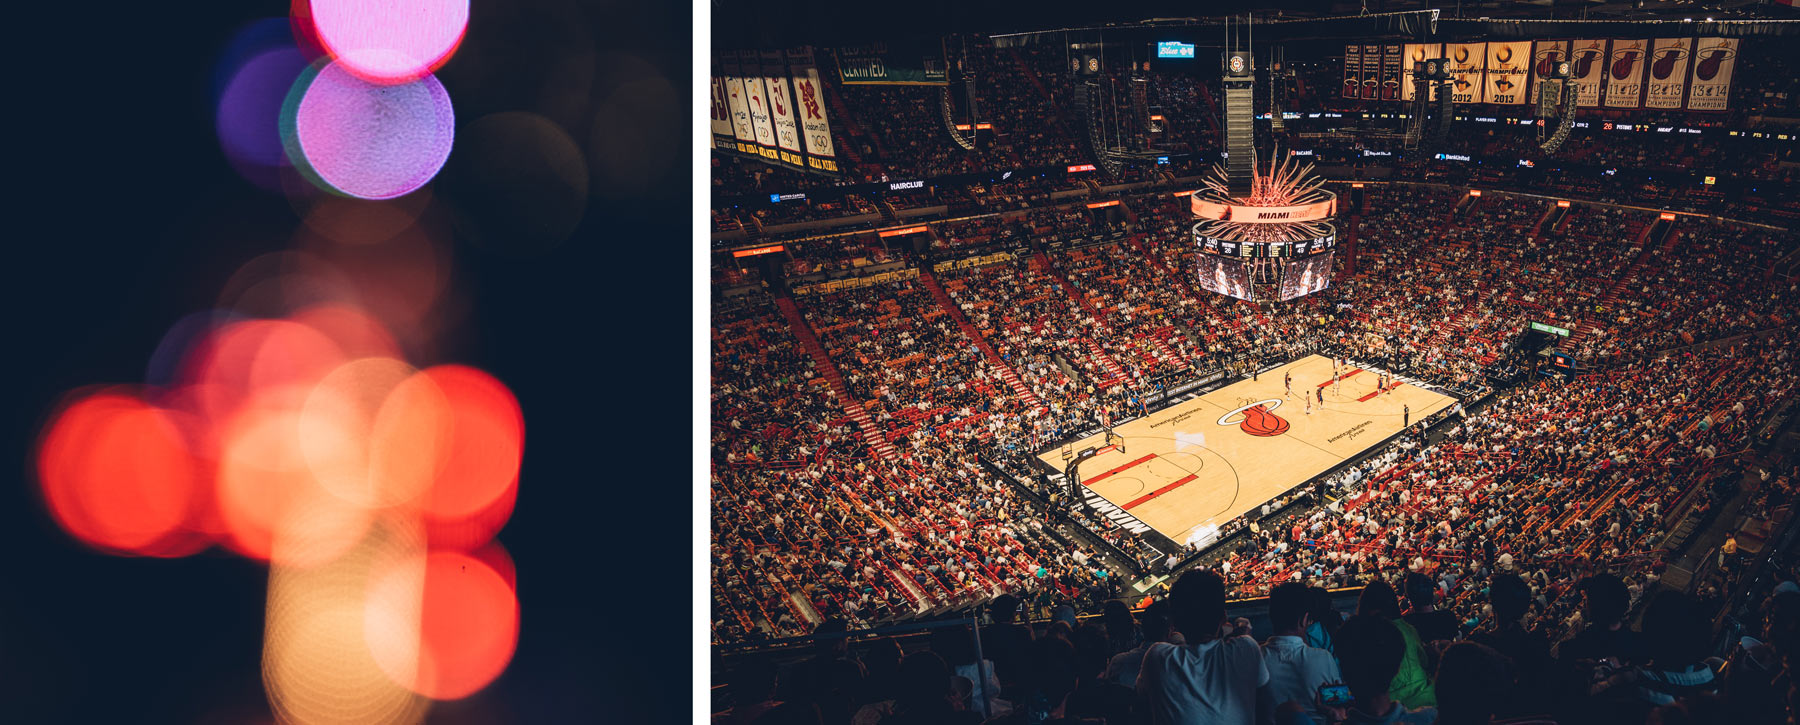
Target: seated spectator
pixel 1209 679
pixel 1369 650
pixel 1050 679
pixel 1295 670
pixel 1095 696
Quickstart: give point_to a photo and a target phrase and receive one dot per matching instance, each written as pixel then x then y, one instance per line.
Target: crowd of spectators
pixel 1396 656
pixel 1572 474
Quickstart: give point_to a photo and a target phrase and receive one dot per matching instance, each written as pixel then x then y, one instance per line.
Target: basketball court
pixel 1194 466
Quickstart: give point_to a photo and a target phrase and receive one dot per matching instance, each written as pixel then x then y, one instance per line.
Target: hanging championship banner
pixel 781 110
pixel 1467 60
pixel 1391 75
pixel 721 112
pixel 737 99
pixel 1714 61
pixel 1625 73
pixel 1545 54
pixel 1352 71
pixel 757 96
pixel 1668 72
pixel 1371 72
pixel 809 103
pixel 1507 65
pixel 1415 54
pixel 1590 72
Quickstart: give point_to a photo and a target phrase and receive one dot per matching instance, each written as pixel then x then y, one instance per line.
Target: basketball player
pixel 1287 381
pixel 1321 397
pixel 1308 404
pixel 1405 415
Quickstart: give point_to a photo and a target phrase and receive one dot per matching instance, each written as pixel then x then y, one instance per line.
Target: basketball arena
pixel 1073 352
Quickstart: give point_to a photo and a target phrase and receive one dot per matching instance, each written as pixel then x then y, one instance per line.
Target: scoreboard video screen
pixel 1224 276
pixel 1306 275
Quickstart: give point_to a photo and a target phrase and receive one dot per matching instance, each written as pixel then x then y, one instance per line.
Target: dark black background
pixel 121 216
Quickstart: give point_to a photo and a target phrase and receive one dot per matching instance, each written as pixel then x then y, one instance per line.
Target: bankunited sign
pixel 1262 214
pixel 1552 329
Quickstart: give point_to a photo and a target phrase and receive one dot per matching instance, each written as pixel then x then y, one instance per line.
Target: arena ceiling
pixel 783 23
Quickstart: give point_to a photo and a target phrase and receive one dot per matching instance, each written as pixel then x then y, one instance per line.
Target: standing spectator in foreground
pixel 1431 623
pixel 1528 649
pixel 1412 683
pixel 1369 649
pixel 923 695
pixel 1123 668
pixel 1295 670
pixel 1211 679
pixel 1472 681
pixel 1605 601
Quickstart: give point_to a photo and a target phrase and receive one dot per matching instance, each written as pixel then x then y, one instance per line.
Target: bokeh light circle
pixel 468 627
pixel 117 473
pixel 364 139
pixel 248 116
pixel 487 443
pixel 390 41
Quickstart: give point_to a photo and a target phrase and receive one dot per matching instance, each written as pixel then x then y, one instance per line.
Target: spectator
pixel 923 694
pixel 1123 667
pixel 1369 649
pixel 1412 682
pixel 1604 603
pixel 1431 624
pixel 1295 670
pixel 1209 679
pixel 1472 682
pixel 1677 636
pixel 1526 649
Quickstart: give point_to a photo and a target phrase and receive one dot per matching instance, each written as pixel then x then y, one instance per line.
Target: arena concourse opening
pixel 1323 366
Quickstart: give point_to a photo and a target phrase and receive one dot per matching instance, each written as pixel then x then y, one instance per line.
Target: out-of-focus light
pixel 248 116
pixel 487 432
pixel 117 474
pixel 273 507
pixel 358 334
pixel 389 41
pixel 358 222
pixel 321 663
pixel 468 628
pixel 337 423
pixel 367 140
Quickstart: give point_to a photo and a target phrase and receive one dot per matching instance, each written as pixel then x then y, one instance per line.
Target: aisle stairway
pixel 852 407
pixel 974 335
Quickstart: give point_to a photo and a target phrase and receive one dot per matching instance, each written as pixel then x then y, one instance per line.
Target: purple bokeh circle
pixel 374 141
pixel 249 111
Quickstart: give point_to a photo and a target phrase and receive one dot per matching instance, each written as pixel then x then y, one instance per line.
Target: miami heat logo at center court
pixel 1258 418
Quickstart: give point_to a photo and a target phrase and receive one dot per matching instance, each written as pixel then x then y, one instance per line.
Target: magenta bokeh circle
pixel 390 41
pixel 373 141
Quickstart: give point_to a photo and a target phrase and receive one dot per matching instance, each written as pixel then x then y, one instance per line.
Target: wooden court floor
pixel 1194 466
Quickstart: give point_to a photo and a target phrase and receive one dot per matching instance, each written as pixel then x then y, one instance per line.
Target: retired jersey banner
pixel 1353 71
pixel 1668 72
pixel 1371 72
pixel 721 114
pixel 1507 67
pixel 1589 74
pixel 809 105
pixel 1714 61
pixel 1467 61
pixel 1415 53
pixel 781 110
pixel 1625 73
pixel 738 100
pixel 1391 75
pixel 758 97
pixel 909 63
pixel 1545 54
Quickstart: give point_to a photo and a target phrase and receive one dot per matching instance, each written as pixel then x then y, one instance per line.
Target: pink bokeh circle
pixel 390 41
pixel 368 140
